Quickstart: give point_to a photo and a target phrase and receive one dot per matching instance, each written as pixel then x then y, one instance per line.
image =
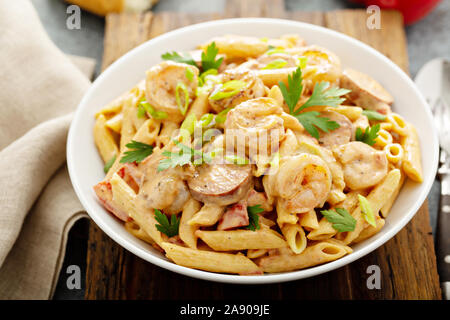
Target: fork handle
pixel 443 239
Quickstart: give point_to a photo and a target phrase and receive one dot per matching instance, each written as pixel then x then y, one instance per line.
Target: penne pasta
pixel 412 163
pixel 309 220
pixel 394 153
pixel 318 253
pixel 208 215
pixel 186 230
pixel 263 238
pixel 399 124
pixel 210 261
pixel 295 237
pixel 268 165
pixel 125 197
pixel 104 139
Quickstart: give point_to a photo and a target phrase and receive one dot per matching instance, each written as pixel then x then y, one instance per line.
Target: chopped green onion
pixel 366 210
pixel 140 111
pixel 189 74
pixel 276 64
pixel 222 116
pixel 189 123
pixel 236 160
pixel 206 119
pixel 154 113
pixel 109 164
pixel 302 62
pixel 202 78
pixel 374 115
pixel 275 50
pixel 181 86
pixel 228 89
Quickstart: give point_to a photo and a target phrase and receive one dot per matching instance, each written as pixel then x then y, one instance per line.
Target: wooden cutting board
pixel 407 262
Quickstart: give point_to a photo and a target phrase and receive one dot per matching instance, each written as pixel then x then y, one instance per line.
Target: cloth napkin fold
pixel 39 88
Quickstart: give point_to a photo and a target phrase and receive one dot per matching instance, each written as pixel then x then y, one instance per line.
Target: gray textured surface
pixel 427 39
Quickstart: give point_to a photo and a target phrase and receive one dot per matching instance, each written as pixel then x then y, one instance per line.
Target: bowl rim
pixel 237 279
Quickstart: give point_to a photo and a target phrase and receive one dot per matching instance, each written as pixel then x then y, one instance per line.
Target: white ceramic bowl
pixel 86 167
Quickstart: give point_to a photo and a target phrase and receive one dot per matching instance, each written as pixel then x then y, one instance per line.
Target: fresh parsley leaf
pixel 374 115
pixel 138 151
pixel 321 96
pixel 170 229
pixel 369 135
pixel 109 164
pixel 325 96
pixel 253 217
pixel 184 156
pixel 175 56
pixel 311 119
pixel 366 210
pixel 209 58
pixel 292 95
pixel 341 220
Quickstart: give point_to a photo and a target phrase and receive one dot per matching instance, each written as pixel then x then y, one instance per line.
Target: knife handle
pixel 443 238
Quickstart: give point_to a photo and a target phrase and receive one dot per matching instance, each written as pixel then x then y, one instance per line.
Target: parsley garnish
pixel 209 58
pixel 175 56
pixel 208 62
pixel 169 229
pixel 253 217
pixel 321 96
pixel 109 164
pixel 369 135
pixel 184 156
pixel 138 151
pixel 340 218
pixel 374 115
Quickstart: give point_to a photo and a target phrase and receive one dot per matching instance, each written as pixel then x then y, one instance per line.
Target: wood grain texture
pixel 407 262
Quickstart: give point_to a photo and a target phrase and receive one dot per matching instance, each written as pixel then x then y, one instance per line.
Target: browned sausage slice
pixel 339 136
pixel 221 184
pixel 366 92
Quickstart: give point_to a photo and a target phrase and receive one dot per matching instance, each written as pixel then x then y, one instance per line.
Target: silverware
pixel 433 80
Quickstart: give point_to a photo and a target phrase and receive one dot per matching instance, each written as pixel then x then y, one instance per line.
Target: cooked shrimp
pixel 253 88
pixel 363 165
pixel 301 184
pixel 239 46
pixel 339 136
pixel 253 124
pixel 321 65
pixel 164 190
pixel 161 83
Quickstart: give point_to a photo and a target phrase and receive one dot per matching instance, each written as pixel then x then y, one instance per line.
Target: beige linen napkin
pixel 39 88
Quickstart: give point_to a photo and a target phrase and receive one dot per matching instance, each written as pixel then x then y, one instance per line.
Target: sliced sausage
pixel 341 135
pixel 366 92
pixel 164 190
pixel 236 216
pixel 221 184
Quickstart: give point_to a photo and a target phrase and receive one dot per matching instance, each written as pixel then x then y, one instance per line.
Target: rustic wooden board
pixel 407 262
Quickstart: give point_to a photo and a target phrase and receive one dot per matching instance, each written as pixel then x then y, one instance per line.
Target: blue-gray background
pixel 427 39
